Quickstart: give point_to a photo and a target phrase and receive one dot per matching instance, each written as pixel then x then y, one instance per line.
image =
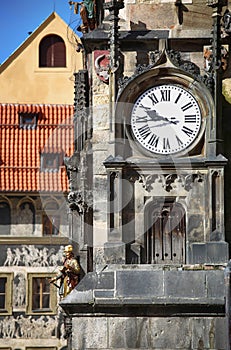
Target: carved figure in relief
pixel 9 257
pixel 69 273
pixel 32 256
pixel 19 291
pixel 26 218
pixel 17 257
pixel 27 327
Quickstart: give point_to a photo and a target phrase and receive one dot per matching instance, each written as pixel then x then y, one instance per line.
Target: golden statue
pixel 69 273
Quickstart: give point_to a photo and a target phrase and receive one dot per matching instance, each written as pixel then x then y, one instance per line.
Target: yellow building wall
pixel 21 79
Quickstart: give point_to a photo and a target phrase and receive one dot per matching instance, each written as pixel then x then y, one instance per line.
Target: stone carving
pixel 9 257
pixel 167 180
pixel 28 327
pixel 190 179
pixel 227 22
pixel 77 202
pixel 155 56
pixel 19 291
pixel 72 170
pixel 114 7
pixel 188 66
pixel 26 216
pixel 32 256
pixel 147 181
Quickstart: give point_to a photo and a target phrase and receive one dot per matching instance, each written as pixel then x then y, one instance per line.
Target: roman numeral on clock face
pixel 144 131
pixel 165 95
pixel 166 144
pixel 154 139
pixel 153 98
pixel 190 119
pixel 187 131
pixel 187 106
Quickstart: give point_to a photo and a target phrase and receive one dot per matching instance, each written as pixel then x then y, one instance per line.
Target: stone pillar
pixel 114 249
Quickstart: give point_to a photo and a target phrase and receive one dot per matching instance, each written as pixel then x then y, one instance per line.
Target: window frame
pixel 49 47
pixel 28 125
pixel 52 227
pixel 45 159
pixel 52 295
pixel 8 293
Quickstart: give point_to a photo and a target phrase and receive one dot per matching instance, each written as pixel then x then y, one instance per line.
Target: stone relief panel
pixel 30 255
pixel 42 327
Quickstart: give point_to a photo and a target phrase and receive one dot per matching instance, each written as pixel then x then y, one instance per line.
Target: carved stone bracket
pixel 71 164
pixel 77 202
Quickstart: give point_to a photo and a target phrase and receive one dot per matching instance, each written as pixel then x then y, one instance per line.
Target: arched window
pixel 52 52
pixel 5 218
pixel 165 234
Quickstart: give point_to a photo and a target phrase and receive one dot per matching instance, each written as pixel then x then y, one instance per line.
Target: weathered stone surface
pixel 149 333
pixel 187 284
pixel 131 283
pixel 90 333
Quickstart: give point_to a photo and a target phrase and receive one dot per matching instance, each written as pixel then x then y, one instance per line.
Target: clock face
pixel 166 119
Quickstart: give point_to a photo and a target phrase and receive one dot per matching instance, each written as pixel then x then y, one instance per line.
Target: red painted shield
pixel 101 62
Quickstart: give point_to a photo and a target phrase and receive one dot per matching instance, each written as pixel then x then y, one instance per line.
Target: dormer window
pixel 52 52
pixel 28 120
pixel 50 162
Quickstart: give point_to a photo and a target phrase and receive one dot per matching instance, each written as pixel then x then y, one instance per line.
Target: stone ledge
pixel 152 292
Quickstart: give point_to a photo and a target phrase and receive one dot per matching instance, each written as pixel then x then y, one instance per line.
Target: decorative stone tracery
pixel 168 181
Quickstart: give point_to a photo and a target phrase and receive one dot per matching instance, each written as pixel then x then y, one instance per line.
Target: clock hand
pixel 157 117
pixel 173 120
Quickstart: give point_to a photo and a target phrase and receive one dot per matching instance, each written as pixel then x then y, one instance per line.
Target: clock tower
pixel 147 181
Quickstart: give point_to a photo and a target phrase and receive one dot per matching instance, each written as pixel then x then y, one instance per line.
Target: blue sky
pixel 18 17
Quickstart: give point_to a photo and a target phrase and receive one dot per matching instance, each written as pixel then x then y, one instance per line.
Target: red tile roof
pixel 22 148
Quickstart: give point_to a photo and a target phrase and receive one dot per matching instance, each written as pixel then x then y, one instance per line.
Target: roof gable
pixel 52 17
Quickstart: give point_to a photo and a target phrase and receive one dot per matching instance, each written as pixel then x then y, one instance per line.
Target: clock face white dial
pixel 166 119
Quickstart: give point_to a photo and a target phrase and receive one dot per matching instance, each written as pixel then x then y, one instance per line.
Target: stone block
pixel 105 280
pixel 215 284
pixel 139 283
pixel 89 333
pixel 129 333
pixel 217 252
pixel 210 252
pixel 185 284
pixel 198 253
pixel 209 333
pixel 170 333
